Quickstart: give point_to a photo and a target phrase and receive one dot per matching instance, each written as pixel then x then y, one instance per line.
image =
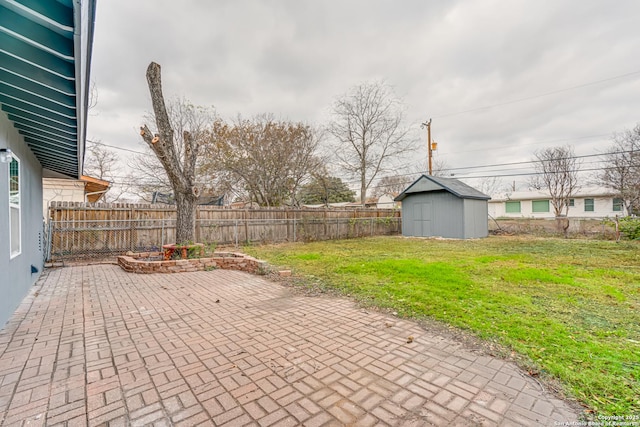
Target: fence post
pixel 132 230
pixel 245 214
pixel 235 231
pixel 198 239
pixel 286 221
pixel 162 234
pixel 294 226
pixel 49 237
pixel 371 227
pixel 326 230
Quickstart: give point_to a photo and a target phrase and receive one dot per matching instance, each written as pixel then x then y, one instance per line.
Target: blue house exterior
pixel 45 56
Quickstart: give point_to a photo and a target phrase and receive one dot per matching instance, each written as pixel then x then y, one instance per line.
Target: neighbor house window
pixel 589 205
pixel 540 206
pixel 617 205
pixel 14 206
pixel 572 202
pixel 512 207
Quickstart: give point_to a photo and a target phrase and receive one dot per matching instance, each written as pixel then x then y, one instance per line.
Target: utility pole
pixel 429 145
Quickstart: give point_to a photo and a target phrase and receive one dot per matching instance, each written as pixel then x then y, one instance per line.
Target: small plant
pixel 630 227
pixel 210 249
pixel 183 251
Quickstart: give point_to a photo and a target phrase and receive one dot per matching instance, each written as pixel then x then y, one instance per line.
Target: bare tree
pixel 557 169
pixel 93 95
pixel 150 174
pixel 367 126
pixel 392 184
pixel 621 170
pixel 536 183
pixel 103 164
pixel 490 185
pixel 100 162
pixel 177 150
pixel 440 168
pixel 269 158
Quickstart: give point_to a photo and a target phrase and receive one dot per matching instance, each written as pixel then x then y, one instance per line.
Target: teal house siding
pixel 45 56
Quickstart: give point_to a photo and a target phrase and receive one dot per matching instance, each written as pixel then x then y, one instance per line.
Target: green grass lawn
pixel 570 307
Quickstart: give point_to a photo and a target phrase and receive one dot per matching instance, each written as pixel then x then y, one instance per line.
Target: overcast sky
pixel 552 72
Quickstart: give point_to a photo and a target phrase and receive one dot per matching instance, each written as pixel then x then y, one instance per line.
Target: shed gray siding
pixel 436 213
pixel 476 217
pixel 443 207
pixel 15 274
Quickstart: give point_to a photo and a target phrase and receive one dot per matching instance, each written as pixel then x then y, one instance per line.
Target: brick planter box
pixel 143 263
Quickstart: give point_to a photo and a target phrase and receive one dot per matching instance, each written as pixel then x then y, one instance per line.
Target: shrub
pixel 630 227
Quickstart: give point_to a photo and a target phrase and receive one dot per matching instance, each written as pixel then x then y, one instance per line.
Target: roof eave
pixel 84 19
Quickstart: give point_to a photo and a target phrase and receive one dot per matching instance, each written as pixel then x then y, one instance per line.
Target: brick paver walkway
pixel 93 345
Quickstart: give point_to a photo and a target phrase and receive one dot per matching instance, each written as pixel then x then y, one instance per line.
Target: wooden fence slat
pixel 82 229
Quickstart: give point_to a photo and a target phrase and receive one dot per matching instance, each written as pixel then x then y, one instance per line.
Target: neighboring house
pixel 330 205
pixel 244 205
pixel 371 202
pixel 45 52
pixel 85 189
pixel 386 201
pixel 590 202
pixel 443 207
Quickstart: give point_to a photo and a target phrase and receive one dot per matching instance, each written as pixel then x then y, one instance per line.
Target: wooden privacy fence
pixel 78 230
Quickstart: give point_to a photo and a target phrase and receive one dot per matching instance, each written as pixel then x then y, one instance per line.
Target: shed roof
pixel 427 183
pixel 45 52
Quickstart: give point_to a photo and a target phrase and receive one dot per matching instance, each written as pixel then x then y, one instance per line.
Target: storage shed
pixel 444 207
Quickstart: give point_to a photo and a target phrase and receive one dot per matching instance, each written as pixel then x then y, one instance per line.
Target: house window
pixel 538 206
pixel 512 207
pixel 589 205
pixel 617 205
pixel 572 202
pixel 14 206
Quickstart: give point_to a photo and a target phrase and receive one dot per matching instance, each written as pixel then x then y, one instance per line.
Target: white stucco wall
pixel 603 208
pixel 61 190
pixel 386 202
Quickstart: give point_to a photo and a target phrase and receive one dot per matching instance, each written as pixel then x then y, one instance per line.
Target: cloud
pixel 293 58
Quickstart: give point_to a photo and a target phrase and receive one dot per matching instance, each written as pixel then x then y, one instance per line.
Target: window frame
pixel 512 203
pixel 619 203
pixel 15 208
pixel 535 203
pixel 590 202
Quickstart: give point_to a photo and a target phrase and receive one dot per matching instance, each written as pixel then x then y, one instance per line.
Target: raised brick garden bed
pixel 150 262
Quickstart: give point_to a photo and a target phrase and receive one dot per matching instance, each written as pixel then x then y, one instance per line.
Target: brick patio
pixel 94 345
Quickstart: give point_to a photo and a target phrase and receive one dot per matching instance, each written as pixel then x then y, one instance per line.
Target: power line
pixel 485 148
pixel 527 98
pixel 117 148
pixel 528 173
pixel 533 161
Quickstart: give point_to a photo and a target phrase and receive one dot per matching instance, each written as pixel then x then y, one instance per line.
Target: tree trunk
pixel 181 175
pixel 363 189
pixel 186 218
pixel 562 224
